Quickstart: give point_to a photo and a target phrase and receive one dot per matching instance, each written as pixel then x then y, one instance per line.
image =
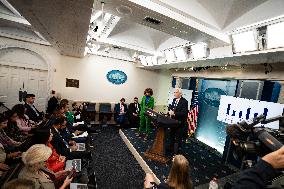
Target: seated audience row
pixel 56 139
pixel 122 112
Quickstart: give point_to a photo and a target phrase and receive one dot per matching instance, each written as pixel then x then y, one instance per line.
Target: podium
pixel 157 151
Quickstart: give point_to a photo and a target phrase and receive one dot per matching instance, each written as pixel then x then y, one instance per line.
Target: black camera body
pixel 258 141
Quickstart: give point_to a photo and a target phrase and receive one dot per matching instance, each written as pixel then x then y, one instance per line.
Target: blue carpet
pixel 205 163
pixel 115 166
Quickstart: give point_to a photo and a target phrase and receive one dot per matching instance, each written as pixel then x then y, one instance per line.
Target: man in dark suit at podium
pixel 133 113
pixel 178 110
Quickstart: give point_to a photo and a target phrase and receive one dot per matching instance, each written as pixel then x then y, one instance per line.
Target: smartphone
pixel 72 172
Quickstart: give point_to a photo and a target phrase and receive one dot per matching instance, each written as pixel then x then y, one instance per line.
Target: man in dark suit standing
pixel 52 103
pixel 179 111
pixel 133 113
pixel 31 111
pixel 120 111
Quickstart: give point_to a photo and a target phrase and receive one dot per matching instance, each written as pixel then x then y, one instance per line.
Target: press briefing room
pixel 141 94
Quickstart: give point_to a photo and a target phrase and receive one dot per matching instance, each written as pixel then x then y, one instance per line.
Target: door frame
pixel 39 53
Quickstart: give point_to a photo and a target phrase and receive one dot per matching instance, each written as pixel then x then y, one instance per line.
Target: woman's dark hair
pixel 148 90
pixel 59 121
pixel 9 113
pixel 41 136
pixel 3 118
pixel 20 109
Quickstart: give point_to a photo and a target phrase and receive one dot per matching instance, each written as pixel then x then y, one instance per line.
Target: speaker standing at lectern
pixel 178 110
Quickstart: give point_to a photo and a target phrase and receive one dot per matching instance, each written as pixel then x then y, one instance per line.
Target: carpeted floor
pixel 205 163
pixel 115 166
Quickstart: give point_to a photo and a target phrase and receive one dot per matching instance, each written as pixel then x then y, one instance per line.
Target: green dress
pixel 145 123
pixel 70 117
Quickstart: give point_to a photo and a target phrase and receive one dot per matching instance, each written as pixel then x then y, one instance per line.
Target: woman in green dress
pixel 145 122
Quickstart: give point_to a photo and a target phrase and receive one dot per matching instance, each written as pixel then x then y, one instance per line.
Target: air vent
pixel 116 47
pixel 152 20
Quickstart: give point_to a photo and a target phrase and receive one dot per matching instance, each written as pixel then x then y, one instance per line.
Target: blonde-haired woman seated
pixel 179 177
pixel 34 159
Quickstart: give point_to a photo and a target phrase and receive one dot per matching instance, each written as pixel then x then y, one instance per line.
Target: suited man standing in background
pixel 133 113
pixel 52 103
pixel 178 110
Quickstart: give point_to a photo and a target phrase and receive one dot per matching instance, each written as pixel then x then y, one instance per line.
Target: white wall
pixel 91 72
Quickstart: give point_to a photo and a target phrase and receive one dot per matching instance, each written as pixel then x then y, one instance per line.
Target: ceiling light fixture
pixel 124 10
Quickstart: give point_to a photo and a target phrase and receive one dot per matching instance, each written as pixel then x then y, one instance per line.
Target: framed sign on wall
pixel 116 77
pixel 72 83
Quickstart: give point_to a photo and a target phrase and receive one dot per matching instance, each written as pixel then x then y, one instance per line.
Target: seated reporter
pixel 6 159
pixel 19 184
pixel 67 149
pixel 23 122
pixel 120 111
pixel 179 177
pixel 77 111
pixel 8 143
pixel 74 128
pixel 34 159
pixel 55 162
pixel 68 136
pixel 12 130
pixel 31 111
pixel 133 113
pixel 263 172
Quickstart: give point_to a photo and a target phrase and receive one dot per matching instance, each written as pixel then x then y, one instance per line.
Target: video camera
pixel 259 141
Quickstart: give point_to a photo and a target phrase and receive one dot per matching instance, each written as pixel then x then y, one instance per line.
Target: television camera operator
pixel 263 172
pixel 260 141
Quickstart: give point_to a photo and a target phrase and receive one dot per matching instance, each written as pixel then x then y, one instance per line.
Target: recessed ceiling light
pixel 152 20
pixel 174 27
pixel 183 31
pixel 124 10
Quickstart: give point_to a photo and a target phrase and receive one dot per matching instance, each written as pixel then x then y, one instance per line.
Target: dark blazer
pixel 67 135
pixel 117 110
pixel 52 105
pixel 181 110
pixel 58 143
pixel 61 148
pixel 256 177
pixel 132 109
pixel 32 114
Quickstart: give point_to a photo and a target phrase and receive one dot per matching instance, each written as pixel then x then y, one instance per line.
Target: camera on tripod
pixel 252 140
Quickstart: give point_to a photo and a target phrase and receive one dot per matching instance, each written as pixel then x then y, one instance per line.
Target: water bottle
pixel 213 183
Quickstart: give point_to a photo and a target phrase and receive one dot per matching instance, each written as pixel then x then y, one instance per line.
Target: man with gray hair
pixel 178 110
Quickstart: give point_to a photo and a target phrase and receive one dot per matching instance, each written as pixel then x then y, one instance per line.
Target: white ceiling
pixel 216 13
pixel 138 35
pixel 65 24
